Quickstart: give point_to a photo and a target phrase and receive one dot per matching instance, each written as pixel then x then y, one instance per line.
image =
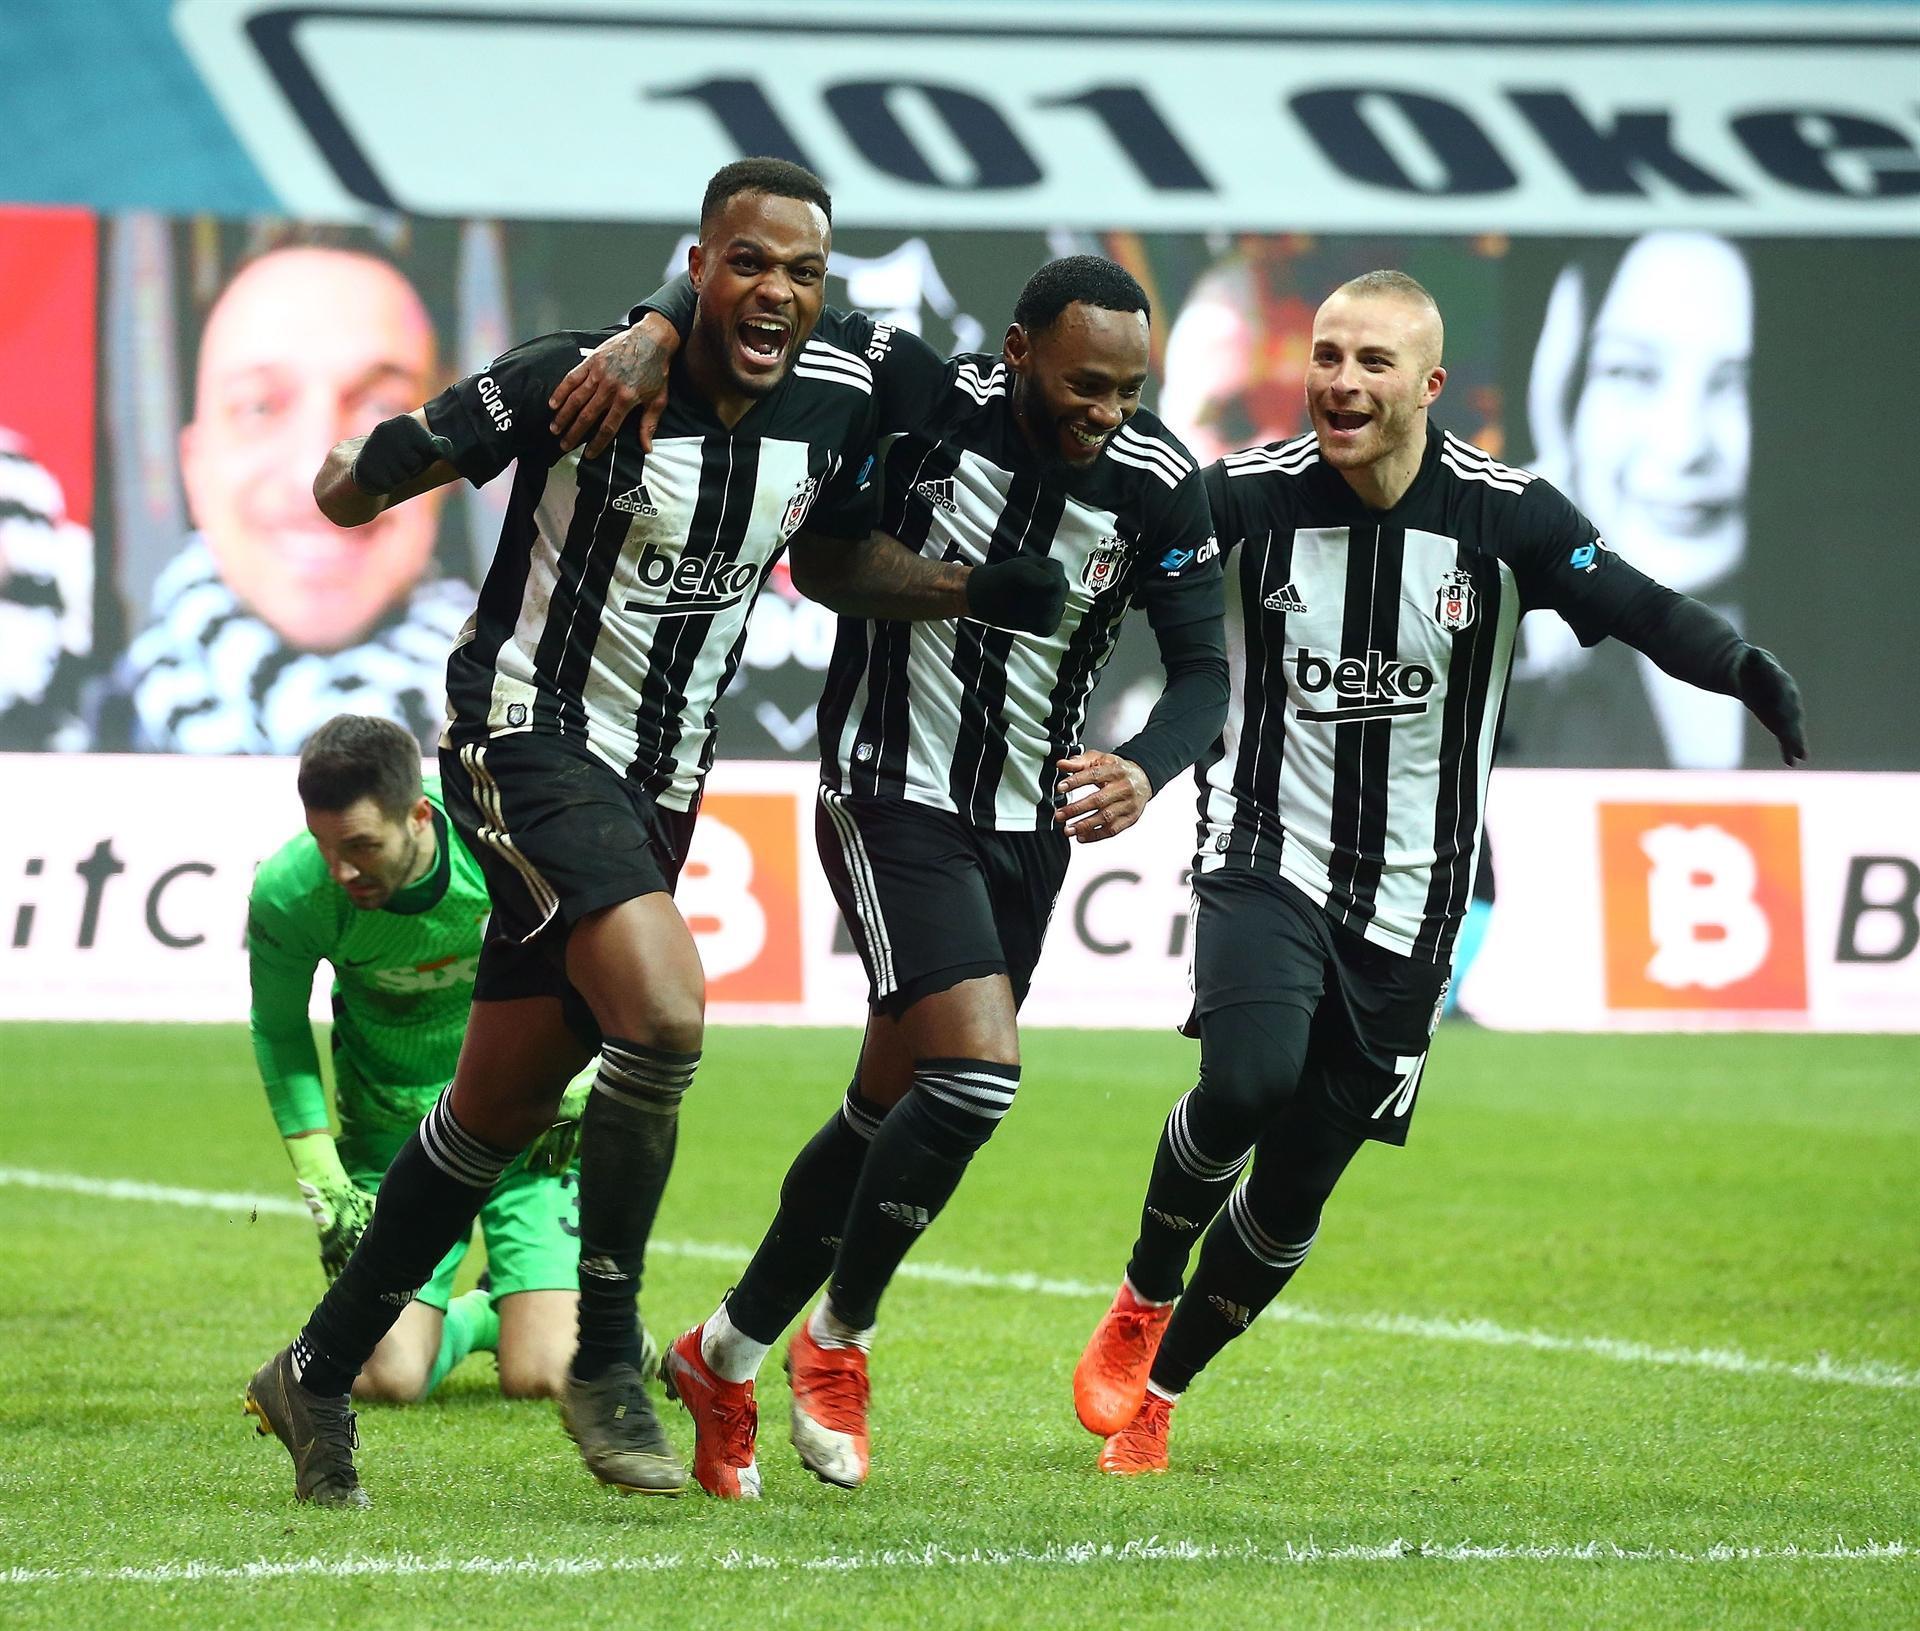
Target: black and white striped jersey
pixel 964 717
pixel 616 606
pixel 1378 646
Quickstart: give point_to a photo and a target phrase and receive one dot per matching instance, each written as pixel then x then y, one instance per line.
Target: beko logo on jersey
pixel 495 403
pixel 691 583
pixel 1375 686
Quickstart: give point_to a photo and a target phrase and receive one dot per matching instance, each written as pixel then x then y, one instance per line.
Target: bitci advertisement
pixel 1756 901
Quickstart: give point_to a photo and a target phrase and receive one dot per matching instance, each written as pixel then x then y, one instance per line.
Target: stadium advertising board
pixel 1634 901
pixel 1669 900
pixel 1471 118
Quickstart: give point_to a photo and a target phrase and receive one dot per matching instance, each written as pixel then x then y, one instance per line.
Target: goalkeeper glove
pixel 340 1208
pixel 558 1147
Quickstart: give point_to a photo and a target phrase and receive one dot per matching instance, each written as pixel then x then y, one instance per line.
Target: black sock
pixel 1251 1056
pixel 627 1137
pixel 797 1253
pixel 427 1203
pixel 913 1167
pixel 1188 1185
pixel 1256 1245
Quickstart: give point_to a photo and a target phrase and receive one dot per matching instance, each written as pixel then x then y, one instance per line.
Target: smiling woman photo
pixel 1638 408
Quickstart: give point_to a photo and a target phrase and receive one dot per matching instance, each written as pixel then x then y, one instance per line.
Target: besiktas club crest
pixel 1455 602
pixel 1103 566
pixel 798 505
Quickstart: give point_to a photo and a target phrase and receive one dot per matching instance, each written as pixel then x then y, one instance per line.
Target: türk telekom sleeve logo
pixel 740 894
pixel 1702 907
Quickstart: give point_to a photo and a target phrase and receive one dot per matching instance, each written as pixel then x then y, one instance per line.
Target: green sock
pixel 471 1326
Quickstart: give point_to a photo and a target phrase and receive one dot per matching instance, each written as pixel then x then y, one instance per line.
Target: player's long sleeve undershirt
pixel 1190 712
pixel 1690 641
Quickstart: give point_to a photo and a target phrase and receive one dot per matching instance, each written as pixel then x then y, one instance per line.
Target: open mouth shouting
pixel 1344 424
pixel 761 343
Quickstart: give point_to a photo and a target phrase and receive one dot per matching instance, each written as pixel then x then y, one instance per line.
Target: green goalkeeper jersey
pixel 402 983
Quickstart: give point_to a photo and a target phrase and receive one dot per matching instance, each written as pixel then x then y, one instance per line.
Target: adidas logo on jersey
pixel 1285 599
pixel 636 501
pixel 939 494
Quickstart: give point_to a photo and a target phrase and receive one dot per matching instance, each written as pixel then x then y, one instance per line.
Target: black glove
pixel 396 451
pixel 1028 593
pixel 1772 698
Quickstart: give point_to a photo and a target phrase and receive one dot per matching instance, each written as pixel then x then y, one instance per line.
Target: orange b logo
pixel 1702 907
pixel 740 895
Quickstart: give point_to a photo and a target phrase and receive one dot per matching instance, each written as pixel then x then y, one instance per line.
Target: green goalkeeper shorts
pixel 531 1226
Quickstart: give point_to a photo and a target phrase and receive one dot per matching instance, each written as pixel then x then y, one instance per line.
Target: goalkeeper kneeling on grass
pixel 380 887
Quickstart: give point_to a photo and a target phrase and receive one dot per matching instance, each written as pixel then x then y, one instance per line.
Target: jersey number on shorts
pixel 1406 1083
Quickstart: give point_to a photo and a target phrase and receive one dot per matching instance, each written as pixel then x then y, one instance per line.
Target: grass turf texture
pixel 1737 1192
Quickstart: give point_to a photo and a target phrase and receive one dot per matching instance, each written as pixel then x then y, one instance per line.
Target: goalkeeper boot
pixel 318 1432
pixel 620 1437
pixel 1111 1378
pixel 1140 1446
pixel 725 1421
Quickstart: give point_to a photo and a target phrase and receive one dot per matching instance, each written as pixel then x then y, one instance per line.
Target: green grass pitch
pixel 1628 1336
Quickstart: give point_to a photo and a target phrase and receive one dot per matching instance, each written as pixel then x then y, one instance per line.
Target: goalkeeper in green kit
pixel 380 887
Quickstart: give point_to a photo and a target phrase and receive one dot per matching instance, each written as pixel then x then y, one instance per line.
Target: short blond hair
pixel 1400 286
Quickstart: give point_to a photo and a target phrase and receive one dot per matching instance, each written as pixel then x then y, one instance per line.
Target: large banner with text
pixel 1626 900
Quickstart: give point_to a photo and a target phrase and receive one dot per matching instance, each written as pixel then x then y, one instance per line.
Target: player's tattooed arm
pixel 626 372
pixel 878 577
pixel 366 475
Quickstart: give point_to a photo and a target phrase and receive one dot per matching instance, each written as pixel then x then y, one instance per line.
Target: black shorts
pixel 1259 939
pixel 558 834
pixel 931 899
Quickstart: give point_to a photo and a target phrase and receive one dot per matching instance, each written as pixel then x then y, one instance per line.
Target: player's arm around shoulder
pixel 876 576
pixel 841 560
pixel 625 372
pixel 911 380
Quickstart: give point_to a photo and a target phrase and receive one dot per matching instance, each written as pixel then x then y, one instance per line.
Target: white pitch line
pixel 1867 1373
pixel 934 1555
